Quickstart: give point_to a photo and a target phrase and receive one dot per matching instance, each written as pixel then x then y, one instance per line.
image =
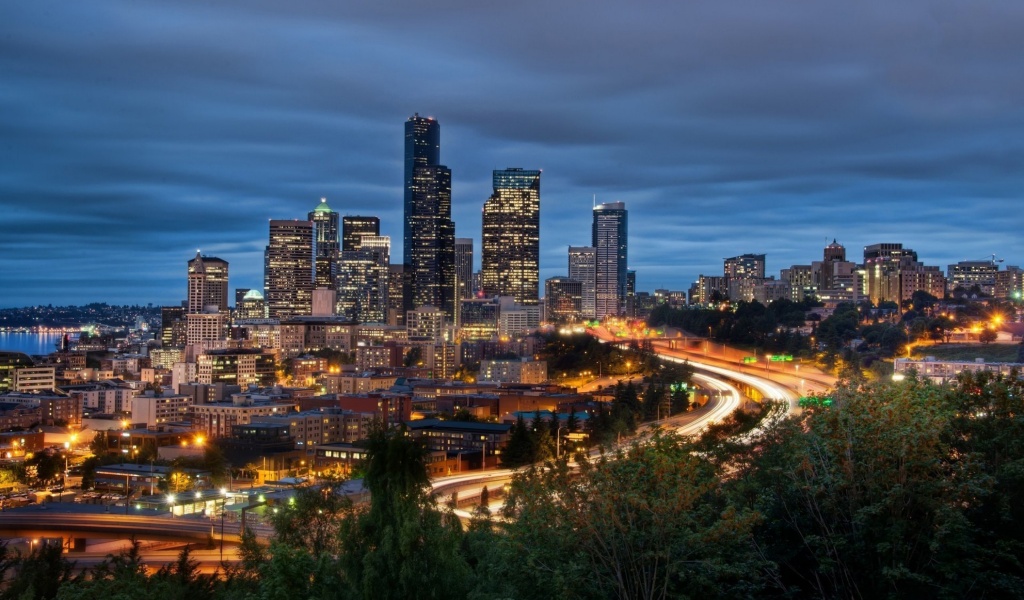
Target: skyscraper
pixel 463 268
pixel 288 274
pixel 510 248
pixel 353 228
pixel 609 239
pixel 363 280
pixel 583 268
pixel 325 221
pixel 429 234
pixel 207 283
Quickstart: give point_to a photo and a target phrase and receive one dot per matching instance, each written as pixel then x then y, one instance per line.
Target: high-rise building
pixel 746 266
pixel 353 228
pixel 834 253
pixel 609 231
pixel 363 280
pixel 397 285
pixel 893 274
pixel 429 235
pixel 583 268
pixel 563 300
pixel 207 283
pixel 463 268
pixel 288 275
pixel 630 304
pixel 251 306
pixel 1010 283
pixel 173 329
pixel 742 274
pixel 510 247
pixel 969 273
pixel 325 223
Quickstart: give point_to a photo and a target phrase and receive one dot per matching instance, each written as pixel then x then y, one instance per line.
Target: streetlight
pixel 170 503
pixel 60 495
pixel 558 441
pixel 223 502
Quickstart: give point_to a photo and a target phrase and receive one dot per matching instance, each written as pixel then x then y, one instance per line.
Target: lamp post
pixel 60 496
pixel 170 503
pixel 223 503
pixel 558 442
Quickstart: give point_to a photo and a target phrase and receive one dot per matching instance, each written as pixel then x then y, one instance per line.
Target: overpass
pixel 49 522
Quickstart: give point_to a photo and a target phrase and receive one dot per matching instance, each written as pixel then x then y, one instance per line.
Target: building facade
pixel 583 268
pixel 429 232
pixel 463 268
pixel 609 238
pixel 325 225
pixel 288 270
pixel 510 247
pixel 207 283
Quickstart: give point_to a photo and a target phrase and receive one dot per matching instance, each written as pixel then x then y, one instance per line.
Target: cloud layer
pixel 133 133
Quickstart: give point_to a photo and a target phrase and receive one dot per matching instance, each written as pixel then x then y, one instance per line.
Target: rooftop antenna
pixel 595 200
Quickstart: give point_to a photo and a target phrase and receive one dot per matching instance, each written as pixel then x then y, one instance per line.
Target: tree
pixel 649 524
pixel 402 546
pixel 519 448
pixel 987 336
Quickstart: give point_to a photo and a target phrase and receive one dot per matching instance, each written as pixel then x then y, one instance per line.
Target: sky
pixel 133 133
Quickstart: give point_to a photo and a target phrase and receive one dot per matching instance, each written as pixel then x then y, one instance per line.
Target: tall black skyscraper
pixel 428 251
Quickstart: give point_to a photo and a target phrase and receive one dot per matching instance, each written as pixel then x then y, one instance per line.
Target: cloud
pixel 132 133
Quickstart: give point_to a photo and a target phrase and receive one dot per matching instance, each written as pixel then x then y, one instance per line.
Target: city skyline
pixel 136 135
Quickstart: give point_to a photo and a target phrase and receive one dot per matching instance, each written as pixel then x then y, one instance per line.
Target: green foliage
pixel 37 575
pixel 892 490
pixel 651 523
pixel 403 546
pixel 748 324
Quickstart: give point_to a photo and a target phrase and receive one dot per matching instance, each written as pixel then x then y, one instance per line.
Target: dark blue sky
pixel 134 132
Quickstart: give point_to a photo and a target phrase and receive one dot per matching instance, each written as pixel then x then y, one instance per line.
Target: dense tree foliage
pixel 889 490
pixel 745 323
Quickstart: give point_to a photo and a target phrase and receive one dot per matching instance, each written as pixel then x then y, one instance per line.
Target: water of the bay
pixel 29 343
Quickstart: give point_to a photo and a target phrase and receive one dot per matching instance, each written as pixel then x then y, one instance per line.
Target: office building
pixel 563 300
pixel 834 253
pixel 353 228
pixel 463 268
pixel 510 247
pixel 429 233
pixel 205 327
pixel 426 322
pixel 251 306
pixel 172 326
pixel 893 274
pixel 742 274
pixel 363 280
pixel 288 275
pixel 969 273
pixel 1010 283
pixel 325 224
pixel 240 367
pixel 583 268
pixel 609 234
pixel 207 283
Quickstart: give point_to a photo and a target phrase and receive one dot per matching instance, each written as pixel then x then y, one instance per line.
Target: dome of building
pixel 323 207
pixel 252 295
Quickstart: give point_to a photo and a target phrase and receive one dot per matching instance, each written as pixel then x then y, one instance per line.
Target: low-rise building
pixel 514 371
pixel 941 371
pixel 215 420
pixel 153 410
